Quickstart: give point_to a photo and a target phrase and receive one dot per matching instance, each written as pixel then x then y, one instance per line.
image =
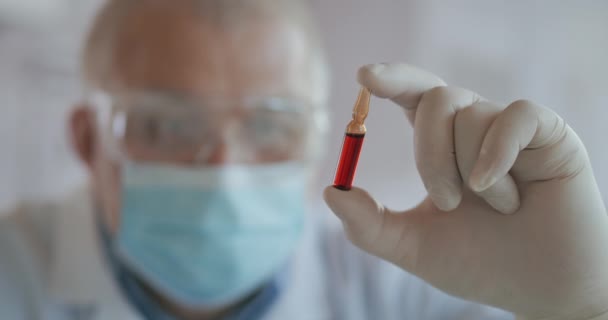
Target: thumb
pixel 360 213
pixel 393 236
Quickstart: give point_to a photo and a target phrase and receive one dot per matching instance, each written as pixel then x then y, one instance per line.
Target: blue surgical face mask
pixel 206 237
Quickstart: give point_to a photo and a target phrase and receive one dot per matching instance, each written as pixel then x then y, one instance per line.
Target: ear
pixel 83 134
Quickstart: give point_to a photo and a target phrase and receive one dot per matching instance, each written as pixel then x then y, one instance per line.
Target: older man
pixel 200 128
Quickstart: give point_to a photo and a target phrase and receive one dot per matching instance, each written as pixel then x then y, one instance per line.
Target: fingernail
pixel 376 68
pixel 504 203
pixel 480 178
pixel 448 204
pixel 481 181
pixel 445 200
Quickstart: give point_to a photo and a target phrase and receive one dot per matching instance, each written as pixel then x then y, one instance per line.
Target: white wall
pixel 553 53
pixel 38 84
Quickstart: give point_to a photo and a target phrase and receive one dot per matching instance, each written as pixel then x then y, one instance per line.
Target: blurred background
pixel 555 53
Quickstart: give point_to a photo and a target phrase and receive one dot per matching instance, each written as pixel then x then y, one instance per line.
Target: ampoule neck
pixel 355 127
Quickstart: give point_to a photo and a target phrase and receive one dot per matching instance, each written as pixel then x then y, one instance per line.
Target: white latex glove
pixel 546 257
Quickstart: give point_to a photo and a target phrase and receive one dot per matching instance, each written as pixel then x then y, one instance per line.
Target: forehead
pixel 163 47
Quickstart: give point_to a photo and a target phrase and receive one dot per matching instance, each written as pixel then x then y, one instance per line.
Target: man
pixel 199 131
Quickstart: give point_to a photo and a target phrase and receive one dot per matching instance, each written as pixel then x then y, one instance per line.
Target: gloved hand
pixel 513 216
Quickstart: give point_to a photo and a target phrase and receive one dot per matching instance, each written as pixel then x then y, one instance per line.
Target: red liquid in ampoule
pixel 345 173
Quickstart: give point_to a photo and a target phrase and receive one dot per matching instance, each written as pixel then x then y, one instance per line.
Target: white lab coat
pixel 52 268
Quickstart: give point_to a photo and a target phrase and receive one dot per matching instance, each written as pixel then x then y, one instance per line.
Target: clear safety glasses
pixel 166 128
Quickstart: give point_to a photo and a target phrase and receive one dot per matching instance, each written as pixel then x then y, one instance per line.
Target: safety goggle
pixel 167 128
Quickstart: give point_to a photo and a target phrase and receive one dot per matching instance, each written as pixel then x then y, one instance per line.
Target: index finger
pixel 402 83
